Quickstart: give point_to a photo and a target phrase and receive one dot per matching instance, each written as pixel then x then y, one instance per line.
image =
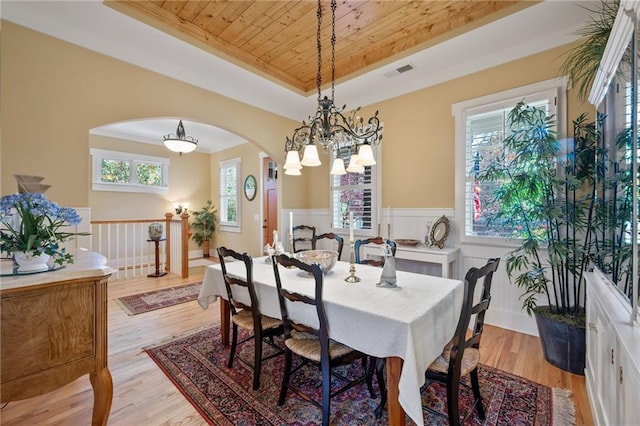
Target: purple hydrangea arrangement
pixel 31 224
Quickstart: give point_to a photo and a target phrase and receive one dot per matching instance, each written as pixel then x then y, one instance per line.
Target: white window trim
pixel 232 226
pixel 376 198
pixel 99 154
pixel 460 110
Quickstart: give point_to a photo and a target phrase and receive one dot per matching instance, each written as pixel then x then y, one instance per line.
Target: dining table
pixel 408 324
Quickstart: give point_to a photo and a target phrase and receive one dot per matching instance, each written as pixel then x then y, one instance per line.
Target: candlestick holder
pixel 388 231
pixel 352 278
pixel 378 234
pixel 291 250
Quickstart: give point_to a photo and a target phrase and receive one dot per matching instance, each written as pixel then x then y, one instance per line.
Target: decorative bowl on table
pixel 325 258
pixel 407 242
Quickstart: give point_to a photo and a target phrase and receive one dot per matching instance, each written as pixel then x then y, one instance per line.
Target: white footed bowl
pixel 325 258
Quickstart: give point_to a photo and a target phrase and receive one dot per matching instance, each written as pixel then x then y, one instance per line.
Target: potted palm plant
pixel 203 227
pixel 547 205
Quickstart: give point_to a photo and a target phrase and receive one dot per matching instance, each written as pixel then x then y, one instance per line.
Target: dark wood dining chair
pixel 461 355
pixel 303 236
pixel 262 328
pixel 377 240
pixel 313 344
pixel 330 236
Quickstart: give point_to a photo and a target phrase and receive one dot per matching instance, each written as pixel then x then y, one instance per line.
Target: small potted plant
pixel 203 226
pixel 31 231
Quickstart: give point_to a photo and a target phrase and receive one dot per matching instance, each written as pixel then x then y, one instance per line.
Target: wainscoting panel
pixel 505 310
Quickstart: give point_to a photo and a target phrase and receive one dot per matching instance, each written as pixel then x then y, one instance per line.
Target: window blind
pixel 485 130
pixel 352 192
pixel 229 178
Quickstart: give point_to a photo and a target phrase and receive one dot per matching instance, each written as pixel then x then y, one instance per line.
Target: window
pixel 126 172
pixel 358 193
pixel 481 126
pixel 229 195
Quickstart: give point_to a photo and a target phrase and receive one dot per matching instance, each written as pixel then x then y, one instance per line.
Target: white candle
pixel 350 226
pixel 291 223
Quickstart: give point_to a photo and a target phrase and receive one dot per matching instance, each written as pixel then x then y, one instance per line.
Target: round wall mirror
pixel 250 187
pixel 439 232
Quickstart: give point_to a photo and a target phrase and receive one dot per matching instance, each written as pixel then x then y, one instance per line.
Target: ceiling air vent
pixel 399 70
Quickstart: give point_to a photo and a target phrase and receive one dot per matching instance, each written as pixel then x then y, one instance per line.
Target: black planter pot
pixel 564 345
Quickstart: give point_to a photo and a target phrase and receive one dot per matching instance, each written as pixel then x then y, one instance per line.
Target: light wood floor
pixel 144 396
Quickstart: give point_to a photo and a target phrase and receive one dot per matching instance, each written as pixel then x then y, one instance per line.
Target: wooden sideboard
pixel 54 330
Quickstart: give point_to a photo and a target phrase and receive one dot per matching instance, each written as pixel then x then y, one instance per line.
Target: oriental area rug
pixel 157 299
pixel 197 365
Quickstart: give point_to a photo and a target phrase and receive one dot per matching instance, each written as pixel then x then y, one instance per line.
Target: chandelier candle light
pixel 330 128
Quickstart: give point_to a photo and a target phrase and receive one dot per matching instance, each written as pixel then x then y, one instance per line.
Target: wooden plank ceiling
pixel 277 39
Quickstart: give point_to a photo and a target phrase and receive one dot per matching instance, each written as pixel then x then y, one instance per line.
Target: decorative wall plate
pixel 439 232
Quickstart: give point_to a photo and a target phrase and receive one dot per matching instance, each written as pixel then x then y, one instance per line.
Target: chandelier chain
pixel 333 48
pixel 319 46
pixel 330 129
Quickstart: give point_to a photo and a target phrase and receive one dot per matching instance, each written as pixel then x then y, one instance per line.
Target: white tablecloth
pixel 413 321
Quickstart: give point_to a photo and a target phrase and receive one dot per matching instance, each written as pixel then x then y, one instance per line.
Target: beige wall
pixel 188 182
pixel 419 135
pixel 53 92
pixel 249 239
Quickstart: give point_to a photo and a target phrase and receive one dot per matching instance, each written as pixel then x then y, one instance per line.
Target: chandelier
pixel 180 142
pixel 330 129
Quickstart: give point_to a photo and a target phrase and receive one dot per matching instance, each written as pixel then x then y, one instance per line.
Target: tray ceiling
pixel 277 39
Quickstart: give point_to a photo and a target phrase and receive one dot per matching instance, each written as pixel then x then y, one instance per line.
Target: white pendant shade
pixel 310 157
pixel 180 145
pixel 292 161
pixel 365 154
pixel 338 167
pixel 293 172
pixel 354 165
pixel 180 142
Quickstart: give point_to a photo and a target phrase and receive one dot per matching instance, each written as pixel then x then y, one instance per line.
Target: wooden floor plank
pixel 143 395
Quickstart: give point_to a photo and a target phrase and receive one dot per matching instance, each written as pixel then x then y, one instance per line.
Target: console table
pixel 446 257
pixel 53 328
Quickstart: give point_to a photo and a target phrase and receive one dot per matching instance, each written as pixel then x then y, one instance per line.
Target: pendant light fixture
pixel 329 128
pixel 180 142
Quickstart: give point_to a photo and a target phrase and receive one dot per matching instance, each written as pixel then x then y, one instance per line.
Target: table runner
pixel 413 321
